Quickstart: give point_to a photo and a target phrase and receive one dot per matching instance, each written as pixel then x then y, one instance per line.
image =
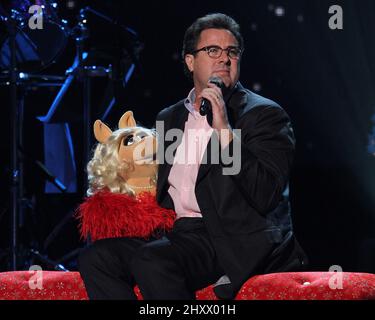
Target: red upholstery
pixel 303 286
pixel 277 286
pixel 56 285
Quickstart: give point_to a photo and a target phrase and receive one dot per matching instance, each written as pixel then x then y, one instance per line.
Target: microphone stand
pixel 15 139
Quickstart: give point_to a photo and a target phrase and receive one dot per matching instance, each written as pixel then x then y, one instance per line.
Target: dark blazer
pixel 247 215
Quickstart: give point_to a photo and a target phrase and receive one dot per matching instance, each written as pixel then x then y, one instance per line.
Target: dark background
pixel 323 78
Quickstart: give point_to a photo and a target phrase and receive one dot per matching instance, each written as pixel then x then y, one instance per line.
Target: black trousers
pixel 172 267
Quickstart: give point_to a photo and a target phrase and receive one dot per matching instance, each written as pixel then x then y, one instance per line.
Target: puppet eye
pixel 129 140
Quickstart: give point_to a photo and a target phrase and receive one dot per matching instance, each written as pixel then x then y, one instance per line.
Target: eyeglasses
pixel 216 52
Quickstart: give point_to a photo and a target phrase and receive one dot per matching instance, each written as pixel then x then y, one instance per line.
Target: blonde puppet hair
pixel 106 171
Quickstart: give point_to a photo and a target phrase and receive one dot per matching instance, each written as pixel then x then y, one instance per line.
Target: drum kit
pixel 27 54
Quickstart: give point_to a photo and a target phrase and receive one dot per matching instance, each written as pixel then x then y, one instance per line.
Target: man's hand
pixel 219 112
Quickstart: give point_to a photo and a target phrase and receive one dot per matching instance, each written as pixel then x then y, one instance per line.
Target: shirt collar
pixel 189 103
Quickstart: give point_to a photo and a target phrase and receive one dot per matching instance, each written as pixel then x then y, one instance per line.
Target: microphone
pixel 205 107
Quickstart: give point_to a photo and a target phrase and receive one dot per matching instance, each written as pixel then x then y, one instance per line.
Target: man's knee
pixel 95 256
pixel 148 262
pixel 159 274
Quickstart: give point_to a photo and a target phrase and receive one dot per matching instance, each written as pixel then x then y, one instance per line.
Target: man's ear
pixel 189 60
pixel 127 120
pixel 101 131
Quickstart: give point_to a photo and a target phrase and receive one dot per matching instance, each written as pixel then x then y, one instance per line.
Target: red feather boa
pixel 113 215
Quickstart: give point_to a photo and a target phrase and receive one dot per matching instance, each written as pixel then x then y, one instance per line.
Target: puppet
pixel 122 178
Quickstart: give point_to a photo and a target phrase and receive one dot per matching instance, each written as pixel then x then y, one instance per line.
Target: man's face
pixel 204 67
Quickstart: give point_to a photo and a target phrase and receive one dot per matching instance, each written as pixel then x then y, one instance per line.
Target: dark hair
pixel 210 21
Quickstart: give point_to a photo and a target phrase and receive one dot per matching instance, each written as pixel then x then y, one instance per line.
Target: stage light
pixel 279 11
pixel 71 4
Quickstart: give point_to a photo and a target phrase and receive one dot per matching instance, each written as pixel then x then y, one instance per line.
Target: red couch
pixel 56 285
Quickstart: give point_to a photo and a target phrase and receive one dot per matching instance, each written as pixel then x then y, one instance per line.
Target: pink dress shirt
pixel 189 154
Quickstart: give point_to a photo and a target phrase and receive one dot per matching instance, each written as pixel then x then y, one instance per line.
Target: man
pixel 229 227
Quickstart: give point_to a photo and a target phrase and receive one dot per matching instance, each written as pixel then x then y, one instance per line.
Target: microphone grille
pixel 217 81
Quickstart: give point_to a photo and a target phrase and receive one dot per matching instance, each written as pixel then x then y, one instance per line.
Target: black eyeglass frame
pixel 207 48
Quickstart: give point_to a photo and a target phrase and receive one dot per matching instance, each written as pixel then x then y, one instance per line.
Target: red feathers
pixel 113 215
